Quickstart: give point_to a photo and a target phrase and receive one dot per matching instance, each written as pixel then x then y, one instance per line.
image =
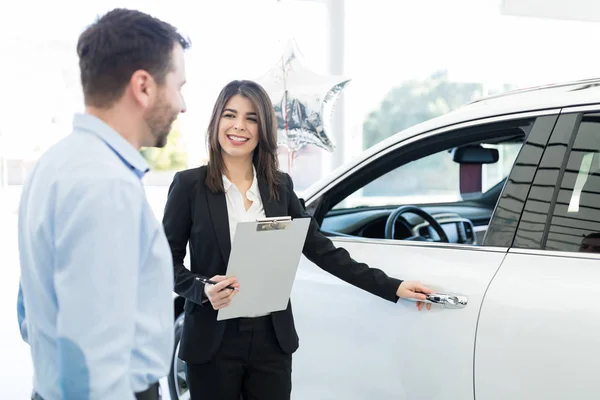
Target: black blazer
pixel 196 214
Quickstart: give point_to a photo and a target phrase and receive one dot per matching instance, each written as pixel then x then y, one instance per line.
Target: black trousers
pixel 152 393
pixel 249 365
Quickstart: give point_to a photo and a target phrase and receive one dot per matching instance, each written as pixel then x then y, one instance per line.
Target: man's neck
pixel 123 126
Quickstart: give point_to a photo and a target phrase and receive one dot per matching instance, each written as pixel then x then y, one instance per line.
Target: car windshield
pixel 436 178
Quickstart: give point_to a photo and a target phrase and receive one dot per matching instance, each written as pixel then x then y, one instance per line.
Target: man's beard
pixel 160 120
pixel 161 139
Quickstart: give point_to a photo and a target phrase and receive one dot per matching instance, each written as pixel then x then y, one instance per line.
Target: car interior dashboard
pixel 462 224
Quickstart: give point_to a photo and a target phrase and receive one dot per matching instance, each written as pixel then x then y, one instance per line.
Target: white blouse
pixel 236 210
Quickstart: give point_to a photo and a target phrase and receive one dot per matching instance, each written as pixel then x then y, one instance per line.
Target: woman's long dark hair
pixel 265 155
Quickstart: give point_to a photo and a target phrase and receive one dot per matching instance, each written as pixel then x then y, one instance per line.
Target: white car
pixel 496 206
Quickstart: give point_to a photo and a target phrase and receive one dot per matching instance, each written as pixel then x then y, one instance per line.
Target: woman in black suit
pixel 249 357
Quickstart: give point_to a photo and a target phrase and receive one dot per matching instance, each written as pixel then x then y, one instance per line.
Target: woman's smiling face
pixel 238 128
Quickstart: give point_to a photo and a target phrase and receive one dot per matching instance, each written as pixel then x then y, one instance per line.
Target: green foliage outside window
pixel 414 102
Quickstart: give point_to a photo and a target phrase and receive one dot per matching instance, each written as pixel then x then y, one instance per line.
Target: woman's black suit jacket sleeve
pixel 336 260
pixel 185 196
pixel 177 223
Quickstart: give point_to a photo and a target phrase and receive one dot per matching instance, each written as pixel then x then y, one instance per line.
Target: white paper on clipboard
pixel 264 259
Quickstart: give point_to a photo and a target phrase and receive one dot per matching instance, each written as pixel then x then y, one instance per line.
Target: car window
pixel 575 221
pixel 435 178
pixel 506 224
pixel 538 194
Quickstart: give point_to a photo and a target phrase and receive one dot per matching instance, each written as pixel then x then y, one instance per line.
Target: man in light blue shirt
pixel 95 299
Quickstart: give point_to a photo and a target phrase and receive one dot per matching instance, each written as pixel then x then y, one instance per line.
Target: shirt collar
pixel 126 152
pixel 253 188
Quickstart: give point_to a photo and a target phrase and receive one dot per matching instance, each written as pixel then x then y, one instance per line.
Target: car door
pixel 538 330
pixel 355 346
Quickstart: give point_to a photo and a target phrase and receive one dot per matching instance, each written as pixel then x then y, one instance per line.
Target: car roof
pixel 551 96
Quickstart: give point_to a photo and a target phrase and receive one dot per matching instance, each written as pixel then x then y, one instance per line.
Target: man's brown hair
pixel 118 44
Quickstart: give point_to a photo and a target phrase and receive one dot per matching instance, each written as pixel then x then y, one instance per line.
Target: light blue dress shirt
pixel 95 298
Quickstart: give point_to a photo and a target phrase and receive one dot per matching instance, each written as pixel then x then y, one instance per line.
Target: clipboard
pixel 264 259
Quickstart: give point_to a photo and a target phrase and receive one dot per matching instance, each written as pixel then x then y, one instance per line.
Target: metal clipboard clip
pixel 273 224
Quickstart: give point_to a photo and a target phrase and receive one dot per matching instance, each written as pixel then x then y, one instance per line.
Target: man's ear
pixel 142 87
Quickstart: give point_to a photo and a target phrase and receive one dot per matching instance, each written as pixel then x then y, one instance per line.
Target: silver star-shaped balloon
pixel 303 101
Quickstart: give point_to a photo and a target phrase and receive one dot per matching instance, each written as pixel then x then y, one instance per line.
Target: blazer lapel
pixel 217 207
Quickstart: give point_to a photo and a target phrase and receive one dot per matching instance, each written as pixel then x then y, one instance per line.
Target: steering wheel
pixel 390 225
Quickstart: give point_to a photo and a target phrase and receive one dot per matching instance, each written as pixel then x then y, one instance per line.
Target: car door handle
pixel 447 300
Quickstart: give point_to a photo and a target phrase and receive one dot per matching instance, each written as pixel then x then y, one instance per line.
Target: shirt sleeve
pixel 21 315
pixel 97 242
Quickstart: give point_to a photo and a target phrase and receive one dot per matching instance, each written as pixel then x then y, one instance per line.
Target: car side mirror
pixel 475 155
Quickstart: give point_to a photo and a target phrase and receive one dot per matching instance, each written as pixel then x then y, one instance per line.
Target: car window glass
pixel 575 222
pixel 502 229
pixel 435 178
pixel 539 193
